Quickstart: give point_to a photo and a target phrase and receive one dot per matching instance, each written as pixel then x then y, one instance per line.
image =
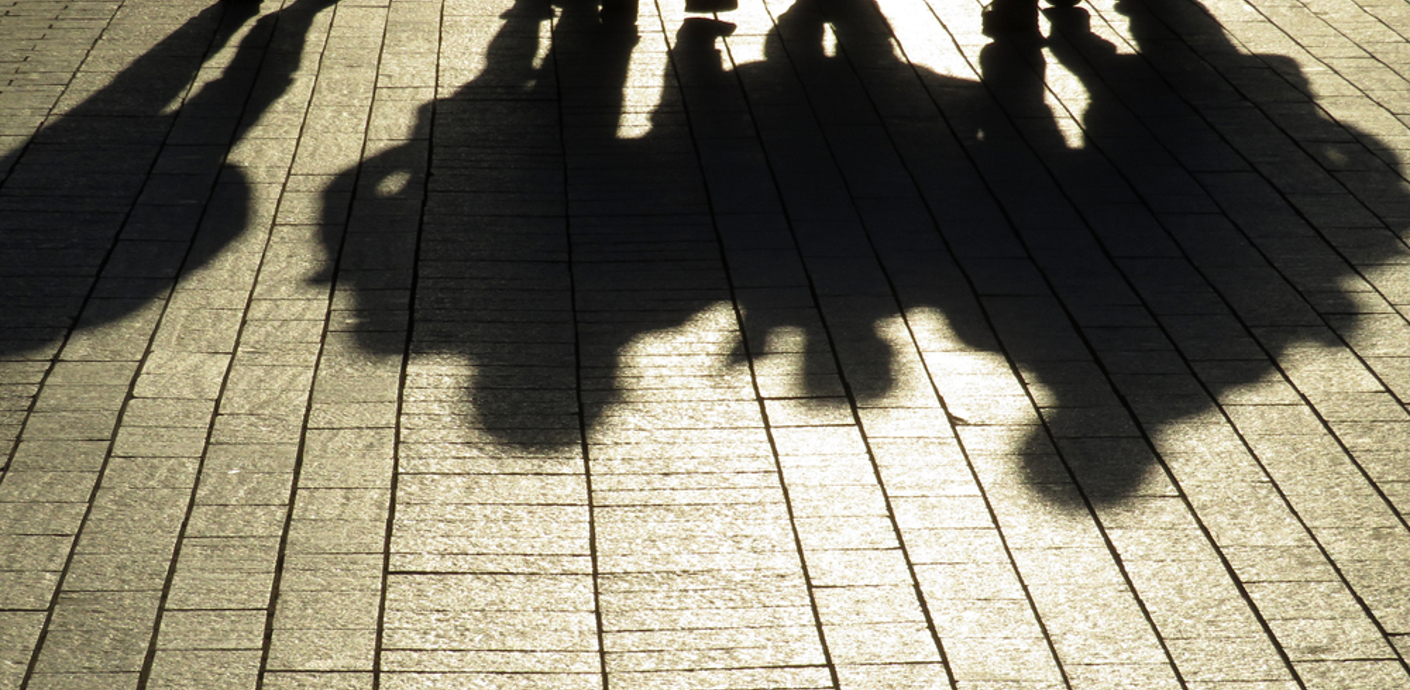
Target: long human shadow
pixel 100 197
pixel 1254 218
pixel 1214 220
pixel 548 243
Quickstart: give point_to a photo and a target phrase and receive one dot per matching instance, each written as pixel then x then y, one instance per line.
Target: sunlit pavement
pixel 472 344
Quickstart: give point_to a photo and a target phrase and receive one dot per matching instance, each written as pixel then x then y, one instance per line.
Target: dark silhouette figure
pixel 635 263
pixel 1134 279
pixel 1236 264
pixel 1003 17
pixel 90 202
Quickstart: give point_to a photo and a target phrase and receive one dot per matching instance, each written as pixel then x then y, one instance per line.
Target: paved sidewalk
pixel 470 344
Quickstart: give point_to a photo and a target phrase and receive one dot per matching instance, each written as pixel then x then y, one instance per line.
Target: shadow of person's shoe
pixel 618 14
pixel 1010 17
pixel 708 6
pixel 701 32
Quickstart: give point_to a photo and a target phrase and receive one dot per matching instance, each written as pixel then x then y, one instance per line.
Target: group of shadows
pixel 995 141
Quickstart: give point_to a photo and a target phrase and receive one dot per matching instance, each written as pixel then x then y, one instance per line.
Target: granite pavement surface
pixel 475 344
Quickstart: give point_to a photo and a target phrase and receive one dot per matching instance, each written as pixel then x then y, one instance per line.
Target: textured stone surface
pixel 476 344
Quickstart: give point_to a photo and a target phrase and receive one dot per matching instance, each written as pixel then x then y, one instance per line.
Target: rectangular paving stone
pixel 212 630
pixel 205 669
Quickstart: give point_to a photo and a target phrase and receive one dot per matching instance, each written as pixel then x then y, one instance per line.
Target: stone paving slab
pixel 819 344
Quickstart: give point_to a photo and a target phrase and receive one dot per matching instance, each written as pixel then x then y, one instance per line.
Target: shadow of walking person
pixel 1207 179
pixel 124 192
pixel 550 241
pixel 1189 249
pixel 1130 283
pixel 493 270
